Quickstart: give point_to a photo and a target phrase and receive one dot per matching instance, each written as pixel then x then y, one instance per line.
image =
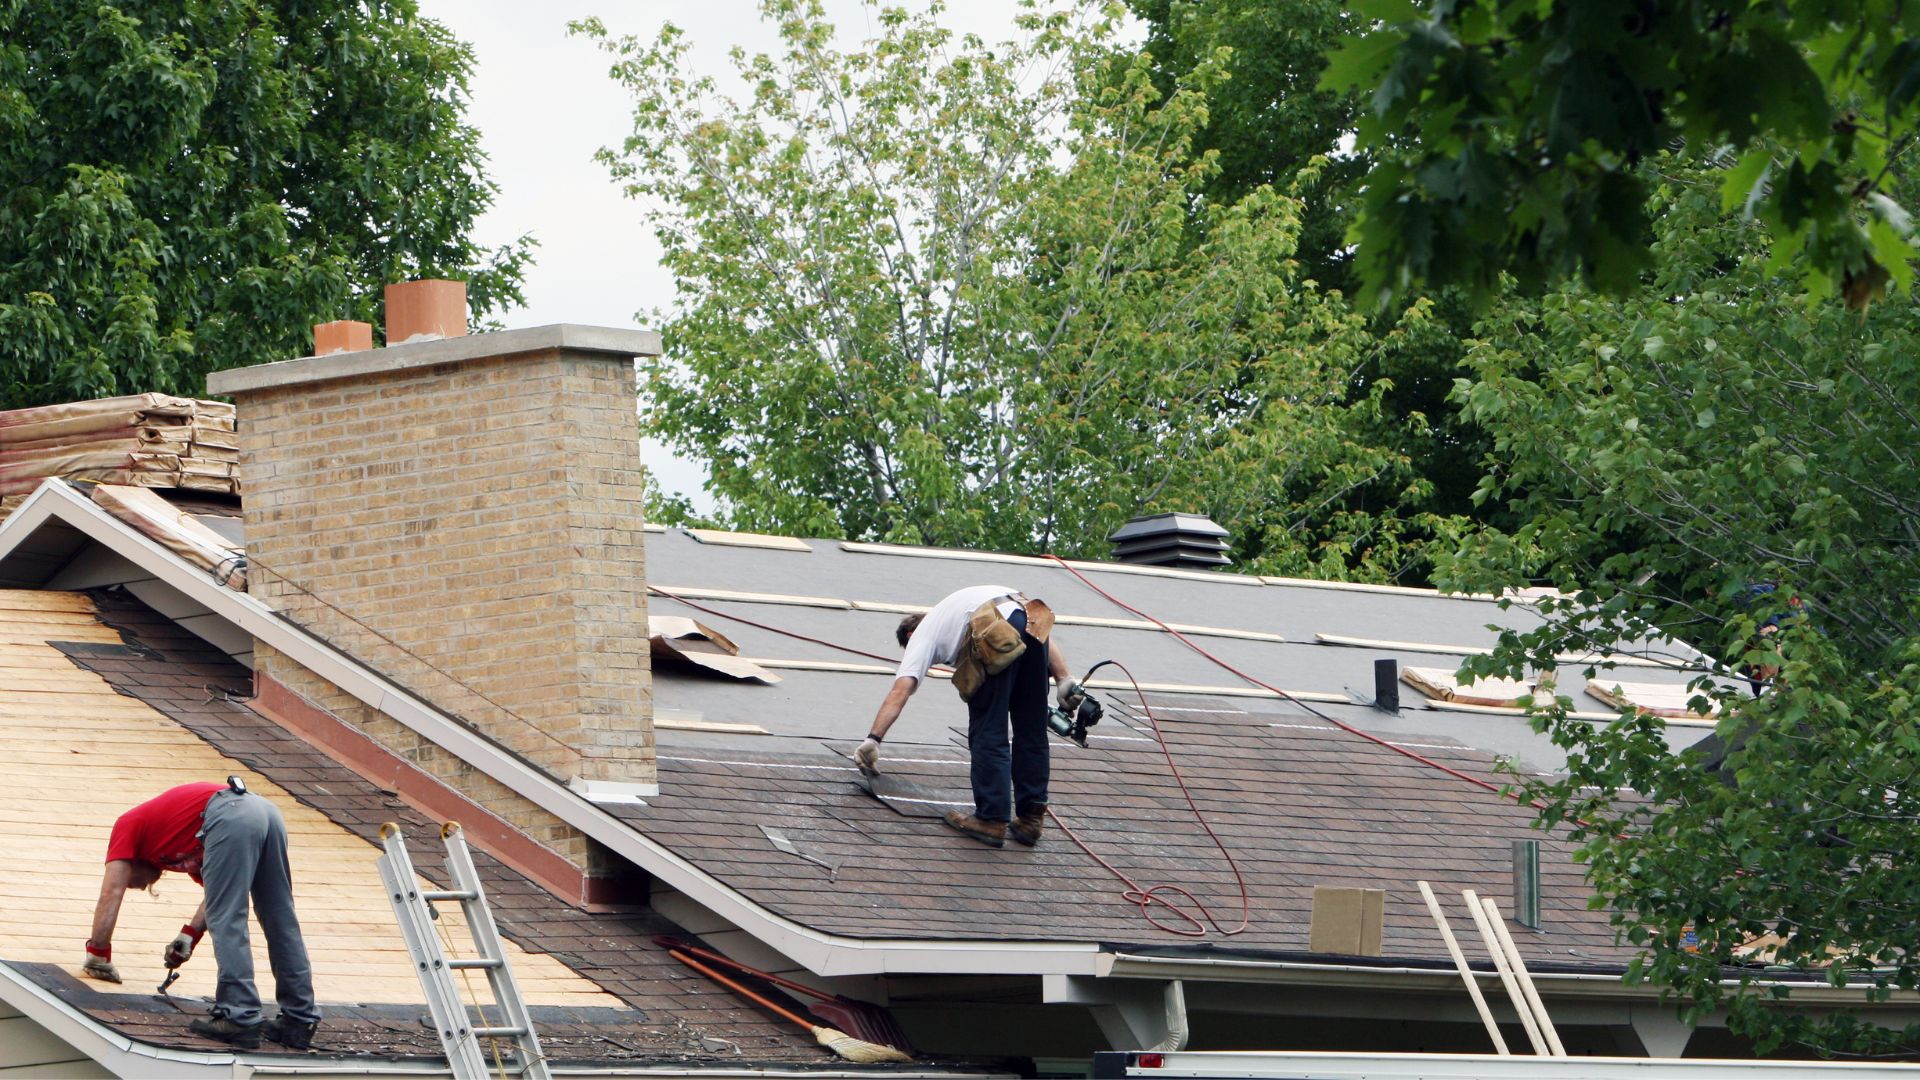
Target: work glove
pixel 99 964
pixel 180 949
pixel 867 756
pixel 1071 694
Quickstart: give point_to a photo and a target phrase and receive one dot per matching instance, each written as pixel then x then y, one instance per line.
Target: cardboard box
pixel 1346 921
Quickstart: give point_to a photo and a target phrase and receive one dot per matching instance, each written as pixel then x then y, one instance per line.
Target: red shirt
pixel 165 829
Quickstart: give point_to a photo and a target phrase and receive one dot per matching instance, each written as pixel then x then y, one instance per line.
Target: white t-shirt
pixel 938 638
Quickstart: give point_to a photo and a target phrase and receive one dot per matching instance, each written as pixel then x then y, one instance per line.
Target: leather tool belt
pixel 993 644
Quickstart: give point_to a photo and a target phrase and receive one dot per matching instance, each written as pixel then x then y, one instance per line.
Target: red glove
pixel 99 963
pixel 180 949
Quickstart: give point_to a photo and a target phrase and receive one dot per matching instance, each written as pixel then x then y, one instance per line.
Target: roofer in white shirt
pixel 997 642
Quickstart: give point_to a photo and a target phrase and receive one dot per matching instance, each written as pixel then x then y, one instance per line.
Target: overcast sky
pixel 543 104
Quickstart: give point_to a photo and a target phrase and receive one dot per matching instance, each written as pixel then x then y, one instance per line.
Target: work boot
pixel 1027 827
pixel 990 833
pixel 221 1029
pixel 292 1034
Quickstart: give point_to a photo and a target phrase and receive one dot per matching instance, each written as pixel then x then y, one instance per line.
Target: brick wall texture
pixel 472 531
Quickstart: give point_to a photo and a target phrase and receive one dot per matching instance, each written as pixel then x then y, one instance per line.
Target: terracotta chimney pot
pixel 426 310
pixel 341 335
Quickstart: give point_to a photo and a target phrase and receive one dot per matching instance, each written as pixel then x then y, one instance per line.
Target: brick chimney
pixel 474 504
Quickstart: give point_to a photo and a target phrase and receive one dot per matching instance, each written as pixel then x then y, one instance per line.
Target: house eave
pixel 1558 984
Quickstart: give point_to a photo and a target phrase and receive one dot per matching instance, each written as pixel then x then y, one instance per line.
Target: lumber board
pixel 45 600
pixel 724 538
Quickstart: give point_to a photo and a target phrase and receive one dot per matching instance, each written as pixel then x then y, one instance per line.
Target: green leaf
pixel 1746 182
pixel 1361 60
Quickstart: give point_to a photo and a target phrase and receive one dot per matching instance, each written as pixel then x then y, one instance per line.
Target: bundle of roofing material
pixel 1441 684
pixel 144 440
pixel 176 530
pixel 1658 699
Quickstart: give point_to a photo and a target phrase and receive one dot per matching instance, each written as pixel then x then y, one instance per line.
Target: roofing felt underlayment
pixel 852 595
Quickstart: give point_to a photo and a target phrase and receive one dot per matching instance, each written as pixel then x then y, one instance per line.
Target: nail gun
pixel 1087 713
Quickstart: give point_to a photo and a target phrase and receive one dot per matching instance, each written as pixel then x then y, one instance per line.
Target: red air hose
pixel 1144 898
pixel 1349 728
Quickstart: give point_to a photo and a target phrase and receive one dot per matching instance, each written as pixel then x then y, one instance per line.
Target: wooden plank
pixel 45 600
pixel 750 540
pixel 672 724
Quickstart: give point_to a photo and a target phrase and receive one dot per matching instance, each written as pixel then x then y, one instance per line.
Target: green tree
pixel 1271 123
pixel 187 186
pixel 932 291
pixel 1513 134
pixel 1268 119
pixel 1711 459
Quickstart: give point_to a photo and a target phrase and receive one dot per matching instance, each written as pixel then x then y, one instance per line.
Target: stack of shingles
pixel 143 440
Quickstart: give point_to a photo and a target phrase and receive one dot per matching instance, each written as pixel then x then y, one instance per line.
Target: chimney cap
pixel 281 374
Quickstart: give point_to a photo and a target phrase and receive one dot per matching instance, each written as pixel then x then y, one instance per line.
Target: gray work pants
pixel 246 854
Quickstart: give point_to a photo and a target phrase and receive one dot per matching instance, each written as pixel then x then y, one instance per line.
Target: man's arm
pixel 895 701
pixel 1057 664
pixel 106 912
pixel 867 754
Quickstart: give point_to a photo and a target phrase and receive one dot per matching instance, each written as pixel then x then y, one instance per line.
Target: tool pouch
pixel 995 642
pixel 992 645
pixel 1039 620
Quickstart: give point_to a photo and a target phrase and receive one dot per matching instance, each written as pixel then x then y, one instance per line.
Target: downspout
pixel 1176 1039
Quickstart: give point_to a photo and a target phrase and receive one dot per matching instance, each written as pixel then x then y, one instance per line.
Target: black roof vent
pixel 1189 541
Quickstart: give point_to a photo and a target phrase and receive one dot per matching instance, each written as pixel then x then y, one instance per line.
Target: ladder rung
pixel 432 897
pixel 476 963
pixel 499 1032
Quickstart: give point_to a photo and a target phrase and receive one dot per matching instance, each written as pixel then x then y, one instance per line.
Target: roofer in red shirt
pixel 235 844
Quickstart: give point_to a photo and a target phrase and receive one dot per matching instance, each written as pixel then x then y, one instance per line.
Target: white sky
pixel 543 104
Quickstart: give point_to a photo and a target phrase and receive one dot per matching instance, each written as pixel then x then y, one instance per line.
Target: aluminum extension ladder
pixel 413 909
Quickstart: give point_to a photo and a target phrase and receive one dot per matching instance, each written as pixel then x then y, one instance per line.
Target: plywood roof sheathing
pixel 88 738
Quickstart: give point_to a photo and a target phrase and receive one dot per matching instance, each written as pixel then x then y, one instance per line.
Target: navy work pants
pixel 1016 698
pixel 246 855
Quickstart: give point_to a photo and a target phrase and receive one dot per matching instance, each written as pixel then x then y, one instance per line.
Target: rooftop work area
pixel 647 735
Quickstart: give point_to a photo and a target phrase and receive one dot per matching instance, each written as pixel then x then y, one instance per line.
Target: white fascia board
pixel 1360 976
pixel 115 1052
pixel 819 952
